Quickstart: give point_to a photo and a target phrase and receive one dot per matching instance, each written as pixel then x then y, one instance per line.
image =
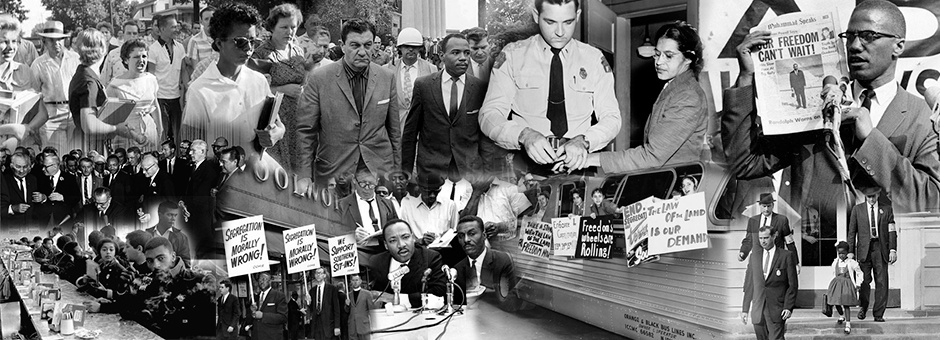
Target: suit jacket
pixel 327 318
pixel 349 208
pixel 674 133
pixel 229 312
pixel 778 224
pixel 422 259
pixel 345 135
pixel 123 189
pixel 117 215
pixel 443 137
pixel 152 194
pixel 797 81
pixel 424 68
pixel 200 183
pixel 900 154
pixel 59 210
pixel 293 314
pixel 859 233
pixel 10 194
pixel 181 172
pixel 360 322
pixel 497 274
pixel 273 317
pixel 776 292
pixel 95 183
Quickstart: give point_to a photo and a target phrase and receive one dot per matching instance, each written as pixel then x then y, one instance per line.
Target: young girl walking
pixel 843 289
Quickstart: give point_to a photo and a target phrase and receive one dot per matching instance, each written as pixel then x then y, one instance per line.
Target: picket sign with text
pixel 565 235
pixel 300 247
pixel 246 250
pixel 344 255
pixel 678 225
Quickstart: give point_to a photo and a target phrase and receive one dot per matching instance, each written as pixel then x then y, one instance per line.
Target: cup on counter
pixel 389 309
pixel 67 325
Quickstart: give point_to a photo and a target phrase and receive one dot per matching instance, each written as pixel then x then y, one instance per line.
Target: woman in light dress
pixel 139 85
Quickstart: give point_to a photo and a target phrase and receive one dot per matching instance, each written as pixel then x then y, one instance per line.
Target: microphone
pixel 398 273
pixel 446 270
pixel 424 277
pixel 453 274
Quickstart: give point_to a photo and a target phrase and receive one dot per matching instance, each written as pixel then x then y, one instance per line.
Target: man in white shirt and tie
pixel 87 180
pixel 365 212
pixel 873 238
pixel 479 45
pixel 269 311
pixel 769 297
pixel 228 313
pixel 408 67
pixel 768 218
pixel 324 310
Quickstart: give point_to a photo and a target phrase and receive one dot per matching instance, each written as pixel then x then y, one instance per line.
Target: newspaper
pixel 790 71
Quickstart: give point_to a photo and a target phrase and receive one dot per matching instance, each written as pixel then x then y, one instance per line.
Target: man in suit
pixel 269 319
pixel 768 218
pixel 228 313
pixel 798 84
pixel 103 214
pixel 156 187
pixel 363 211
pixel 400 242
pixel 198 196
pixel 295 318
pixel 133 165
pixel 123 186
pixel 873 238
pixel 408 68
pixel 360 302
pixel 59 190
pixel 87 180
pixel 324 307
pixel 480 53
pixel 483 266
pixel 168 215
pixel 19 193
pixel 442 127
pixel 888 138
pixel 362 131
pixel 178 168
pixel 771 285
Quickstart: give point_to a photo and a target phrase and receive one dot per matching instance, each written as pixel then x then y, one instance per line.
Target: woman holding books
pixel 140 86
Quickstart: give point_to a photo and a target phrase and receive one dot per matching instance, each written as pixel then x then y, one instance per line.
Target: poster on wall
pixel 246 250
pixel 300 246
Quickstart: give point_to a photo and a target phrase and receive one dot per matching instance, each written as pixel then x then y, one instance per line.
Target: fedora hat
pixel 766 199
pixel 53 29
pixel 871 191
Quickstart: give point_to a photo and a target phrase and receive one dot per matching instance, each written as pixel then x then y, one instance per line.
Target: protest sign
pixel 246 250
pixel 536 239
pixel 635 223
pixel 680 225
pixel 564 235
pixel 344 256
pixel 300 246
pixel 595 238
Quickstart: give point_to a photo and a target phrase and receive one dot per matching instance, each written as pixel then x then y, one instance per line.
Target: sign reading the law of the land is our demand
pixel 246 250
pixel 679 225
pixel 595 238
pixel 344 256
pixel 300 244
pixel 564 235
pixel 536 239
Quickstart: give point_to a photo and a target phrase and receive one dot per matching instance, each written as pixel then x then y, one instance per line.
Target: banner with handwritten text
pixel 595 238
pixel 536 239
pixel 679 225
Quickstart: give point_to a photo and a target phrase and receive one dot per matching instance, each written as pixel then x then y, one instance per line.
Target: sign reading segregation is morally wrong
pixel 246 250
pixel 300 246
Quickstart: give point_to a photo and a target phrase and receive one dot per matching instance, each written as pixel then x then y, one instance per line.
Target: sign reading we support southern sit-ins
pixel 344 256
pixel 246 250
pixel 300 244
pixel 536 239
pixel 595 238
pixel 678 225
pixel 564 235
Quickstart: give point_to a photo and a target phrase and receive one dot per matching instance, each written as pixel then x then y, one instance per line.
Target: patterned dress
pixel 286 68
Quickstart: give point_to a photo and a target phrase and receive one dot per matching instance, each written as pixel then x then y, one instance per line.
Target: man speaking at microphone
pixel 402 255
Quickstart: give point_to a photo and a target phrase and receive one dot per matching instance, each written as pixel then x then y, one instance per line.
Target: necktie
pixel 766 262
pixel 263 295
pixel 319 298
pixel 408 85
pixel 556 97
pixel 22 183
pixel 453 96
pixel 453 191
pixel 112 179
pixel 169 166
pixel 375 222
pixel 474 280
pixel 87 188
pixel 867 95
pixel 874 223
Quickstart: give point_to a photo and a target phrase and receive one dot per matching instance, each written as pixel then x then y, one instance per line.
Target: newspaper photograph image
pixel 789 70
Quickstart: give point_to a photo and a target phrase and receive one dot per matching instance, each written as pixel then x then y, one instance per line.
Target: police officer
pixel 550 87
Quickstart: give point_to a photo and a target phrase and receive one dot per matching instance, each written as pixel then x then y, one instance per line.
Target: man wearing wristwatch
pixel 551 96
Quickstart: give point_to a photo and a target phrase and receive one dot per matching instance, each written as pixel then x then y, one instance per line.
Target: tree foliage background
pixel 75 14
pixel 504 14
pixel 14 7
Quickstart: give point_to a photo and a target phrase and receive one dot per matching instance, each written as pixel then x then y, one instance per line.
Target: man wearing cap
pixel 873 238
pixel 52 73
pixel 429 216
pixel 408 68
pixel 768 218
pixel 551 86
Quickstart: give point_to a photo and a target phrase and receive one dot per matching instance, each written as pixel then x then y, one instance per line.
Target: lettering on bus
pixel 650 329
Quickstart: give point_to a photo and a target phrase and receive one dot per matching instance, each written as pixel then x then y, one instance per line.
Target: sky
pixel 460 14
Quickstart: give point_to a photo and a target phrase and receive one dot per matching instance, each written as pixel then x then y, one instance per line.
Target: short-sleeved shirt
pixel 199 47
pixel 85 91
pixel 166 70
pixel 15 77
pixel 112 67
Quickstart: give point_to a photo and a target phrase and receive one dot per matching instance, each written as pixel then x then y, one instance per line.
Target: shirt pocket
pixel 532 93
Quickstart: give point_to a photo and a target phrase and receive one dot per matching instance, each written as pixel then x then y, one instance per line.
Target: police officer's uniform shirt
pixel 519 83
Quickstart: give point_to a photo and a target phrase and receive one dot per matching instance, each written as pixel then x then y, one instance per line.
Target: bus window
pixel 609 188
pixel 641 186
pixel 572 199
pixel 688 180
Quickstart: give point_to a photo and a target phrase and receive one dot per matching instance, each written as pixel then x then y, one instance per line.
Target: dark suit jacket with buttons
pixel 273 317
pixel 327 110
pixel 859 233
pixel 778 223
pixel 59 210
pixel 327 319
pixel 439 137
pixel 774 293
pixel 229 313
pixel 422 259
pixel 900 154
pixel 123 190
pixel 181 172
pixel 161 190
pixel 349 208
pixel 10 194
pixel 497 273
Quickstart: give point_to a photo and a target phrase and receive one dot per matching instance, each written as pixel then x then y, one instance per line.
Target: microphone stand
pixel 448 308
pixel 396 300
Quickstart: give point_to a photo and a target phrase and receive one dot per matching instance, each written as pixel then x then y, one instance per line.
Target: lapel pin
pixel 583 73
pixel 778 272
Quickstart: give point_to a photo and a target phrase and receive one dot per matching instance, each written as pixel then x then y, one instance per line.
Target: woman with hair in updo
pixel 139 85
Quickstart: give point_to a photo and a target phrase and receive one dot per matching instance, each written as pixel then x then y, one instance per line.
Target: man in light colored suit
pixel 360 302
pixel 771 284
pixel 408 68
pixel 351 106
pixel 875 246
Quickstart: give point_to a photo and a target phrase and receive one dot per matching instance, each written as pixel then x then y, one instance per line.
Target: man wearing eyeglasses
pixel 887 136
pixel 158 187
pixel 363 211
pixel 59 191
pixel 105 214
pixel 228 98
pixel 17 200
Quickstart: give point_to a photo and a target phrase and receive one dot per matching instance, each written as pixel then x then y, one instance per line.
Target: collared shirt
pixel 442 215
pixel 200 47
pixel 769 260
pixel 519 84
pixel 263 295
pixel 502 203
pixel 479 263
pixel 88 184
pixel 52 77
pixel 219 106
pixel 26 53
pixel 202 66
pixel 167 70
pixel 156 232
pixel 884 95
pixel 358 81
pixel 477 69
pixel 308 44
pixel 446 81
pixel 364 212
pixel 394 265
pixel 113 67
pixel 462 190
pixel 55 180
pixel 15 77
